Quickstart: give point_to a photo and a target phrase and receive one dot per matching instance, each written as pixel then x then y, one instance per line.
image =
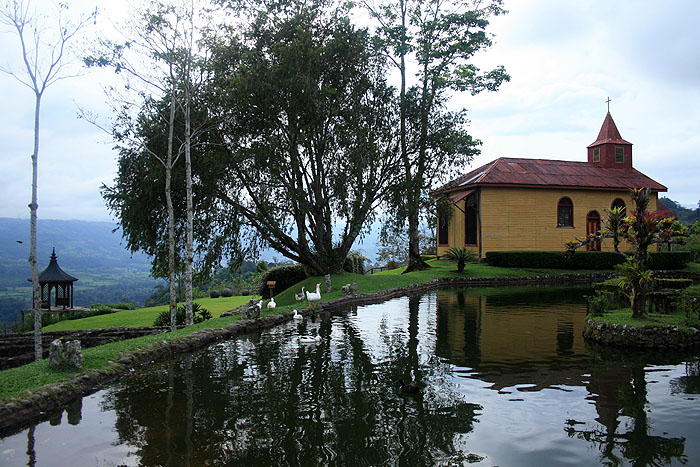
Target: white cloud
pixel 564 57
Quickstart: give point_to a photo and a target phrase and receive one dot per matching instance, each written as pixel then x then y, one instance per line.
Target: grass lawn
pixel 624 316
pixel 143 316
pixel 394 278
pixel 285 299
pixel 36 374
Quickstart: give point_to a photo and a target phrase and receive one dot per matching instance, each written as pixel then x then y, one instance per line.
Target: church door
pixel 592 228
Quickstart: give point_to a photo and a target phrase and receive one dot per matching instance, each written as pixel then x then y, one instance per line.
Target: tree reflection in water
pixel 269 400
pixel 619 386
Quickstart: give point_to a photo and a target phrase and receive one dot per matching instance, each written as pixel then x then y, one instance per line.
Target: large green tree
pixel 442 38
pixel 307 146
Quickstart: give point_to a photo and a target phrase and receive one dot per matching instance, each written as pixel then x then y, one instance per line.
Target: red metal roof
pixel 608 133
pixel 507 171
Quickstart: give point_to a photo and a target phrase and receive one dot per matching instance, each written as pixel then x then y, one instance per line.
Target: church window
pixel 619 154
pixel 596 155
pixel 470 221
pixel 565 213
pixel 443 231
pixel 618 203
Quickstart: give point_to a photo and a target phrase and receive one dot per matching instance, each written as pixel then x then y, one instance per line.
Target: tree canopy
pixel 307 137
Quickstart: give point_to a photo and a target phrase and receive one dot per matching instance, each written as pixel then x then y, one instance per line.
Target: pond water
pixel 505 377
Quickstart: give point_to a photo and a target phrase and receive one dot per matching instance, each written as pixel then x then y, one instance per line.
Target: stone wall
pixel 662 338
pixel 17 349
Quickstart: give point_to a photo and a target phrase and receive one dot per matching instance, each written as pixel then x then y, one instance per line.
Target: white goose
pixel 271 305
pixel 314 296
pixel 309 339
pixel 299 296
pixel 297 315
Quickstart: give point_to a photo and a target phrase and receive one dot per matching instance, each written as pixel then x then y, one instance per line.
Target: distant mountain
pixel 685 216
pixel 90 251
pixel 96 255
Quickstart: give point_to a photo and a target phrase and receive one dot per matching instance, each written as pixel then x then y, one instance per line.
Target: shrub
pixel 601 301
pixel 354 263
pixel 199 314
pixel 527 259
pixel 668 259
pixel 100 307
pixel 688 302
pixel 392 264
pixel 227 292
pixel 284 276
pixel 580 259
pixel 594 260
pixel 119 306
pixel 213 293
pixel 462 256
pixel 662 283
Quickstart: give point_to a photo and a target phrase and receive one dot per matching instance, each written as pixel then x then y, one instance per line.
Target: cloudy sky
pixel 565 58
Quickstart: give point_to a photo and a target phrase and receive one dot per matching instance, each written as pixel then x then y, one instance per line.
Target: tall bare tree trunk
pixel 171 213
pixel 43 56
pixel 189 250
pixel 189 254
pixel 33 208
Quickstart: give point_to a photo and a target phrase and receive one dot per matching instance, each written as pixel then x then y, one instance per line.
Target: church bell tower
pixel 609 150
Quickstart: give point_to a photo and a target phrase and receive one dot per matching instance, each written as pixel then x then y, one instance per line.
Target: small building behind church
pixel 537 204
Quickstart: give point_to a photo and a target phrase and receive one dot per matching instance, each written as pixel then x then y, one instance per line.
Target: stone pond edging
pixel 33 404
pixel 661 338
pixel 22 410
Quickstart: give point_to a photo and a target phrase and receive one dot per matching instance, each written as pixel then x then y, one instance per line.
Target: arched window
pixel 470 221
pixel 619 203
pixel 565 213
pixel 443 231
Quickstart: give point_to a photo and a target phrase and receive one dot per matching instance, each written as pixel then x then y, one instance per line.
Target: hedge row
pixel 601 260
pixel 669 259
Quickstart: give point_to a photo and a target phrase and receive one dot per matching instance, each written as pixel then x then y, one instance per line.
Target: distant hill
pixel 685 216
pixel 90 251
pixel 94 254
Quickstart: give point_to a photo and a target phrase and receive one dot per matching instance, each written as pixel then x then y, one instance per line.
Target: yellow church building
pixel 536 204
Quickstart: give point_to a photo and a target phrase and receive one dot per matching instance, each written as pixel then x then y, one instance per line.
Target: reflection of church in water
pixel 507 349
pixel 482 332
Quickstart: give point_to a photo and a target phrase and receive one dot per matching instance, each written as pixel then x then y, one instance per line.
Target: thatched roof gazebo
pixel 55 277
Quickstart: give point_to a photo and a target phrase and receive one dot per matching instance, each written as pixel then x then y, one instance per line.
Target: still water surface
pixel 506 379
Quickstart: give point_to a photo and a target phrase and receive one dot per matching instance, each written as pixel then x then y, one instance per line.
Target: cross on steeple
pixel 608 101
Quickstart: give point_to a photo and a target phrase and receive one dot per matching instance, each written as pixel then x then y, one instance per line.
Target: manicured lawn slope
pixel 36 374
pixel 285 299
pixel 143 316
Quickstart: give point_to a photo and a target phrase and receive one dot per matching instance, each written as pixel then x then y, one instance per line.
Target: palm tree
pixel 462 256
